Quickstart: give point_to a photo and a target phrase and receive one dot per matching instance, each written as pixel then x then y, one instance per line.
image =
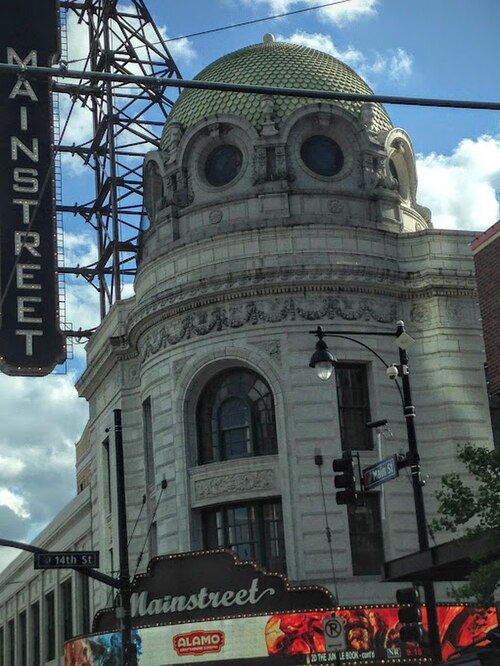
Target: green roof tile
pixel 270 64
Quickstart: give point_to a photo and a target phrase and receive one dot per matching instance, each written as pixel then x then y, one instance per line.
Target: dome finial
pixel 268 38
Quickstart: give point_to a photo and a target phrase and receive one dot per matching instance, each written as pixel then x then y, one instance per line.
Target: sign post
pixel 380 472
pixel 334 631
pixel 67 559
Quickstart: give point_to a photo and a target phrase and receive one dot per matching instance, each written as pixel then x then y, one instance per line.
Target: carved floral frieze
pixel 271 310
pixel 227 484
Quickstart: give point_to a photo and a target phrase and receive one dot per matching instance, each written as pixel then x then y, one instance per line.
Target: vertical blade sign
pixel 31 342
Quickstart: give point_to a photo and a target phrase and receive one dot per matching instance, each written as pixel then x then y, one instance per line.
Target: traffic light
pixel 345 479
pixel 410 616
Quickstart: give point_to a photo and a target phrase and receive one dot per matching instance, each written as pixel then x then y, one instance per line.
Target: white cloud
pixel 13 502
pixel 339 13
pixel 462 189
pixel 41 419
pixel 79 249
pixel 395 64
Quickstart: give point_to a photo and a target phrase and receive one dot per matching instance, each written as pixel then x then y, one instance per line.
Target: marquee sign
pixel 209 585
pixel 30 340
pixel 287 639
pixel 211 609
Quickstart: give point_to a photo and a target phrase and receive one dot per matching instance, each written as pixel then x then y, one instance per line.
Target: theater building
pixel 268 217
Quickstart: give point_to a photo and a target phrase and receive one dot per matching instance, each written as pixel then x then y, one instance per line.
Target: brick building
pixel 486 251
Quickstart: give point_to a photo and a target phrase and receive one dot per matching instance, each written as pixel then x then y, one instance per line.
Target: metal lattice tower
pixel 127 119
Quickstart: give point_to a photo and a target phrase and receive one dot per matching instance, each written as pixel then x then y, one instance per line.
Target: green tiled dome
pixel 273 64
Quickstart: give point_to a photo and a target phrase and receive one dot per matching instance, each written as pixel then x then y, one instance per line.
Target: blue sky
pixel 424 48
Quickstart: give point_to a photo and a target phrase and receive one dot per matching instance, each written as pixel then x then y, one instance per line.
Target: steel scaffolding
pixel 127 119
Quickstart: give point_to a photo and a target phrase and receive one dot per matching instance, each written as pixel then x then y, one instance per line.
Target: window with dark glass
pixel 235 417
pixel 147 430
pixel 322 155
pixel 50 627
pixel 365 533
pixel 223 164
pixel 84 596
pixel 106 460
pixel 35 633
pixel 354 406
pixel 254 531
pixel 2 640
pixel 23 637
pixel 11 630
pixel 66 609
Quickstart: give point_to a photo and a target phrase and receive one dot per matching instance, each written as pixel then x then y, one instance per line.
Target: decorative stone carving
pixel 214 130
pixel 153 189
pixel 178 366
pixel 267 108
pixel 250 313
pixel 336 206
pixel 259 164
pixel 281 163
pixel 368 120
pixel 220 486
pixel 420 313
pixel 376 173
pixel 215 216
pixel 367 115
pixel 323 119
pixel 175 132
pixel 271 347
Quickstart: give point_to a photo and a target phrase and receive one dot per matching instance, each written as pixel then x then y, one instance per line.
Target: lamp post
pixel 324 363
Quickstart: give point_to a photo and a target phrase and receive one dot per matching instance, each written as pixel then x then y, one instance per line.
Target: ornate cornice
pixel 374 281
pixel 277 310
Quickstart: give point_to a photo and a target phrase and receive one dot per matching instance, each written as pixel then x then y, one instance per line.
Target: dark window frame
pixel 50 626
pixel 223 164
pixel 232 386
pixel 66 608
pixel 365 536
pixel 322 155
pixel 106 461
pixel 353 401
pixel 253 530
pixel 11 636
pixel 23 638
pixel 35 634
pixel 84 596
pixel 147 429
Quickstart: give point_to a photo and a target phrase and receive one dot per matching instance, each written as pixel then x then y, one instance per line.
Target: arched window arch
pixel 235 417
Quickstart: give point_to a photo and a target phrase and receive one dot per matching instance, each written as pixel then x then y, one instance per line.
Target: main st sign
pixel 31 342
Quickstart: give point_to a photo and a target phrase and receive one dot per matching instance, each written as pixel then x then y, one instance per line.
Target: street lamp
pixel 324 362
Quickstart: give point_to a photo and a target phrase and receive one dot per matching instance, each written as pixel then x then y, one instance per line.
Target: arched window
pixel 235 417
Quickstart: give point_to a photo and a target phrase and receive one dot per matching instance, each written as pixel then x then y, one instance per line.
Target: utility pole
pixel 416 478
pixel 129 656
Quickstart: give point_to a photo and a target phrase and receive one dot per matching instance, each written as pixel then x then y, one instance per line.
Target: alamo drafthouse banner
pixel 209 608
pixel 31 342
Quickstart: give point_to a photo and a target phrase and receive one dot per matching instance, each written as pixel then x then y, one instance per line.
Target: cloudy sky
pixel 427 49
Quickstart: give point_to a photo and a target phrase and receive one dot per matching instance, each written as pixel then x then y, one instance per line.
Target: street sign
pixel 67 559
pixel 334 631
pixel 383 471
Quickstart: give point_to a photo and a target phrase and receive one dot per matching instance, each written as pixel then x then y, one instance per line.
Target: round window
pixel 222 165
pixel 322 155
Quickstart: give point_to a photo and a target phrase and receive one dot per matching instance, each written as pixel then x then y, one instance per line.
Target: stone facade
pixel 237 275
